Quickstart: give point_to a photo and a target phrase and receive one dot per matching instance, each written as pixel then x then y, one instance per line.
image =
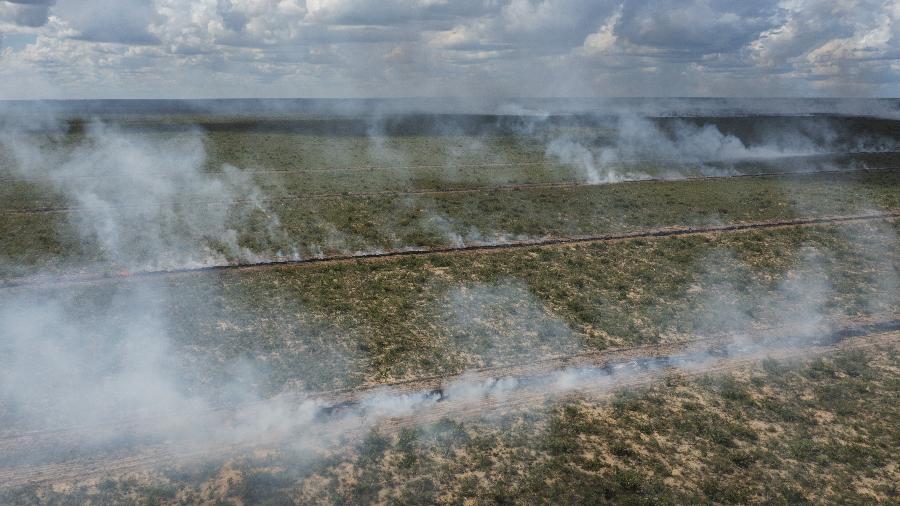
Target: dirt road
pixel 328 418
pixel 474 248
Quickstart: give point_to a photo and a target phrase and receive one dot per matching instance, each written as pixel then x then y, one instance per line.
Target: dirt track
pixel 73 455
pixel 623 163
pixel 476 248
pixel 448 191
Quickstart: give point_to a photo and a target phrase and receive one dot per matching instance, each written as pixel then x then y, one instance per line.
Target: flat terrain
pixel 655 439
pixel 41 242
pixel 342 324
pixel 278 190
pixel 724 328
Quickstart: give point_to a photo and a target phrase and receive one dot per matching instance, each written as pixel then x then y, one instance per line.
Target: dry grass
pixel 820 430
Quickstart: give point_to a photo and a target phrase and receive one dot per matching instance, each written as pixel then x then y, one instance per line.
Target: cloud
pixel 604 39
pixel 841 45
pixel 695 26
pixel 410 47
pixel 118 21
pixel 27 13
pixel 392 12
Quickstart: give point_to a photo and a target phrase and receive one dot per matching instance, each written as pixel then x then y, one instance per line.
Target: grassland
pixel 54 242
pixel 818 430
pixel 339 325
pixel 813 431
pixel 305 204
pixel 289 164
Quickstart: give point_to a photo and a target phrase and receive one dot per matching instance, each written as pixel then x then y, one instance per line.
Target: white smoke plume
pixel 148 202
pixel 504 323
pixel 59 368
pixel 877 242
pixel 115 375
pixel 640 148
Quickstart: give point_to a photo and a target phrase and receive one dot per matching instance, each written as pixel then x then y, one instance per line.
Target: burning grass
pixel 155 193
pixel 814 430
pixel 305 228
pixel 79 357
pixel 338 325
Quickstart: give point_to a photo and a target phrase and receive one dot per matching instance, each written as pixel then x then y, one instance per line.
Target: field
pixel 449 309
pixel 733 438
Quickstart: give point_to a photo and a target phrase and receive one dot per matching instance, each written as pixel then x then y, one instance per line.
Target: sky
pixel 67 49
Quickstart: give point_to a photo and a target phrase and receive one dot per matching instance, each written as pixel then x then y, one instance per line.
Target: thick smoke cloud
pixel 149 203
pixel 61 369
pixel 640 147
pixel 118 371
pixel 114 375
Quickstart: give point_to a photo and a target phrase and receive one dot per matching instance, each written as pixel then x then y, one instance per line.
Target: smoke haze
pixel 151 202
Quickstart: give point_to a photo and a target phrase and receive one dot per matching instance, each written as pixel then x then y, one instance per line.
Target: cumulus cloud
pixel 833 43
pixel 411 47
pixel 695 27
pixel 28 13
pixel 124 21
pixel 391 12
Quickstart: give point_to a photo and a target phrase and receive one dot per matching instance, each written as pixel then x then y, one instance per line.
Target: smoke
pixel 796 311
pixel 117 375
pixel 503 323
pixel 639 147
pixel 114 376
pixel 59 368
pixel 639 137
pixel 438 228
pixel 797 308
pixel 877 243
pixel 158 208
pixel 380 144
pixel 734 298
pixel 148 203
